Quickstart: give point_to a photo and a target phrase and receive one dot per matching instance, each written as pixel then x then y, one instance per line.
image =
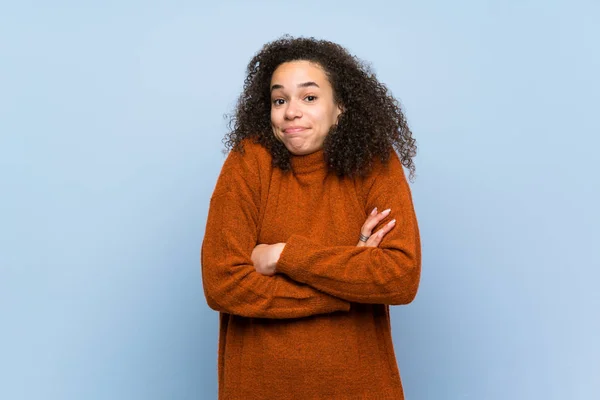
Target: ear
pixel 339 111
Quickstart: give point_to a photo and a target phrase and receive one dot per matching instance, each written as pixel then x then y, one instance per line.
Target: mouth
pixel 294 129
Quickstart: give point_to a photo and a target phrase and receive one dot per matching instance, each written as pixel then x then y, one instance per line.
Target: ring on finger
pixel 363 238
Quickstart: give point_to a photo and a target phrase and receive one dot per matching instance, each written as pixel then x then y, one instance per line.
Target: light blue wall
pixel 111 119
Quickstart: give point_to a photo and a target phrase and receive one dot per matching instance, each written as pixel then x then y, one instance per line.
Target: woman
pixel 304 307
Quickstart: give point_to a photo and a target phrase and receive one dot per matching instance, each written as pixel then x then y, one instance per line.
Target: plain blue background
pixel 111 119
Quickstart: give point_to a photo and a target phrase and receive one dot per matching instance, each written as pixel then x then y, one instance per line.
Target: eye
pixel 278 102
pixel 310 98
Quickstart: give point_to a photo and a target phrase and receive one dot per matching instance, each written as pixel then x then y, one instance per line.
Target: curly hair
pixel 371 124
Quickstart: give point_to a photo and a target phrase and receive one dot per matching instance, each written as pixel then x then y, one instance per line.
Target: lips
pixel 294 129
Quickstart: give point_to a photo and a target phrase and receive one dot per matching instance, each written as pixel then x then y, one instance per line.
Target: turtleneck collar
pixel 308 163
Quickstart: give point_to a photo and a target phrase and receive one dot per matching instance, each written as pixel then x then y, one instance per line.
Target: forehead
pixel 299 72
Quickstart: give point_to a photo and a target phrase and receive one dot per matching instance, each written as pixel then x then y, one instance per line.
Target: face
pixel 302 106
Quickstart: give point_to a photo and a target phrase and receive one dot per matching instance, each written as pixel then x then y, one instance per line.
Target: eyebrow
pixel 301 85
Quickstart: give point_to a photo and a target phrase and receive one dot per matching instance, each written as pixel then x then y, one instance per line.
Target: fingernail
pixel 386 211
pixel 392 222
pixel 374 211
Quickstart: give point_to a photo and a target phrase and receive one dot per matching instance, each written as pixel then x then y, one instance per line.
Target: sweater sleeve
pixel 388 274
pixel 231 284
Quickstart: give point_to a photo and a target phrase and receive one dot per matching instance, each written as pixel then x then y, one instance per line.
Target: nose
pixel 292 111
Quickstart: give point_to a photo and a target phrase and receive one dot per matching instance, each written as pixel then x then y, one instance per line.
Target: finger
pixel 376 238
pixel 386 228
pixel 373 220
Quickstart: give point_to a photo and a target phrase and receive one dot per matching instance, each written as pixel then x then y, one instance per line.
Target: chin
pixel 299 151
pixel 302 149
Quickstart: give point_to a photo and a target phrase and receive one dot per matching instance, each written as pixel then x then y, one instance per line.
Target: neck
pixel 302 164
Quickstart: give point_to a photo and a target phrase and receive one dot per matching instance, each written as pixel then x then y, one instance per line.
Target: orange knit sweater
pixel 320 327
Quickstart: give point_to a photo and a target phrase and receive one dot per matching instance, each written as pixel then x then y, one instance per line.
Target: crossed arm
pixel 265 256
pixel 301 278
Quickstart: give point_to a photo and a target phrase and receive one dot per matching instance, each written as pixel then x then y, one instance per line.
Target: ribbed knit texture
pixel 320 327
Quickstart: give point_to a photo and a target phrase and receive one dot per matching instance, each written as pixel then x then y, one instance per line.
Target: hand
pixel 372 220
pixel 265 257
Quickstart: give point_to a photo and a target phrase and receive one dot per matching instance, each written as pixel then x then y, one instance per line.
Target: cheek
pixel 325 120
pixel 275 117
pixel 275 124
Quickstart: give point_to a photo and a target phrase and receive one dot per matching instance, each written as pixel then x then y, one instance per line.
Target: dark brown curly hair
pixel 371 123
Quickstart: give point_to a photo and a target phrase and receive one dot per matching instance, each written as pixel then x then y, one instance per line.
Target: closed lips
pixel 293 129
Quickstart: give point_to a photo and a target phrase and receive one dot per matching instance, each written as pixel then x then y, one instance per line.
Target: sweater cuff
pixel 292 259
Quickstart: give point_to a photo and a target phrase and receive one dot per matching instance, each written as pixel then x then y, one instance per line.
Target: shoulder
pixel 248 154
pixel 383 175
pixel 390 170
pixel 245 166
